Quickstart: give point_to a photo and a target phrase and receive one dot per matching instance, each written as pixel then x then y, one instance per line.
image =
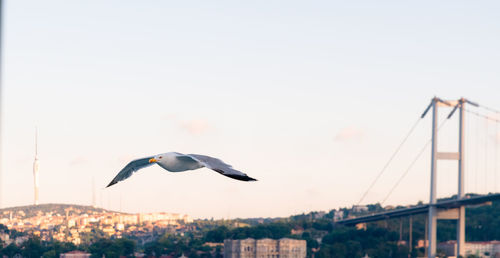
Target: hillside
pixel 61 209
pixel 205 237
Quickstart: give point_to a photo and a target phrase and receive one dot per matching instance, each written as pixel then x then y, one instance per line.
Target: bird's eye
pixel 160 157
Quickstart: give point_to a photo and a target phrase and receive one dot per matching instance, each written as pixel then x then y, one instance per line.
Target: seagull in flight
pixel 178 162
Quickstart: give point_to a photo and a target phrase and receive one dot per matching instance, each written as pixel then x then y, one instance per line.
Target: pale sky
pixel 309 97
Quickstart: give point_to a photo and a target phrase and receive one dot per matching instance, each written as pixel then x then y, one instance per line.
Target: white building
pixel 338 215
pixel 359 208
pixel 481 249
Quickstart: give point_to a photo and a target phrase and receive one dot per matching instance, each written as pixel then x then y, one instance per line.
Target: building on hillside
pixel 359 208
pixel 263 248
pixel 172 218
pixel 481 249
pixel 75 254
pixel 338 215
pixel 5 238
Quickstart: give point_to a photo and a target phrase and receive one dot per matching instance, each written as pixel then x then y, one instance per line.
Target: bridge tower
pixel 461 178
pixel 460 157
pixel 35 170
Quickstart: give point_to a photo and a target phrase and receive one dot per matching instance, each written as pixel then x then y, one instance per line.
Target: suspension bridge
pixel 481 135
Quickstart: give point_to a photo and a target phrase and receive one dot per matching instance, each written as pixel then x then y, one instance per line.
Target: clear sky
pixel 309 97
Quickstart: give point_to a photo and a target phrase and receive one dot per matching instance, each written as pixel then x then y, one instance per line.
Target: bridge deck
pixel 419 209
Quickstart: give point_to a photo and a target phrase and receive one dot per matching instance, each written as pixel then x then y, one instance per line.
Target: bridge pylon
pixel 435 156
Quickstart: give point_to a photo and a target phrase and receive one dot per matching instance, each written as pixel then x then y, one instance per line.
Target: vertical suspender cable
pixel 486 155
pixel 468 164
pixel 495 159
pixel 476 170
pixel 1 102
pixel 486 138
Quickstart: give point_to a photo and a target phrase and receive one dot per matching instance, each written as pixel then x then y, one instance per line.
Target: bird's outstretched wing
pixel 221 167
pixel 130 168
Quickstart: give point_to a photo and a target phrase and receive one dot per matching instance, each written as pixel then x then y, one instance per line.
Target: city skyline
pixel 311 99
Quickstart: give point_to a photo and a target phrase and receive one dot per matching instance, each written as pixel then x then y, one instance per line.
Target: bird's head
pixel 156 158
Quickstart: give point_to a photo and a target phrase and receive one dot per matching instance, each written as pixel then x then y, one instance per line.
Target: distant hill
pixel 61 209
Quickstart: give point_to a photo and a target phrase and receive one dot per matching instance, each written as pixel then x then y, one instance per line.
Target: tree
pixel 54 249
pixel 11 250
pixel 217 235
pixel 32 247
pixel 112 248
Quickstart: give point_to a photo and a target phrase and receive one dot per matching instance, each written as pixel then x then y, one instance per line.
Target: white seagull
pixel 178 162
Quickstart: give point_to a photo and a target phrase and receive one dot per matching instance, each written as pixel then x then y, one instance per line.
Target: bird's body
pixel 178 162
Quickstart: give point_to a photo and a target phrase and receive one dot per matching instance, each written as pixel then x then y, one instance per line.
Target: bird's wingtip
pixel 110 184
pixel 252 179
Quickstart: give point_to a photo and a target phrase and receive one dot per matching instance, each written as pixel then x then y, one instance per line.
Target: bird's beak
pixel 152 160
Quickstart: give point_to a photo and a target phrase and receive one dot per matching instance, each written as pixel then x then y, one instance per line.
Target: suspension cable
pixel 390 160
pixel 486 119
pixel 411 164
pixel 496 120
pixel 477 114
pixel 490 109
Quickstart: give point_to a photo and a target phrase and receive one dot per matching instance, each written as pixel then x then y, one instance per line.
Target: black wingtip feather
pixel 233 176
pixel 111 183
pixel 242 178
